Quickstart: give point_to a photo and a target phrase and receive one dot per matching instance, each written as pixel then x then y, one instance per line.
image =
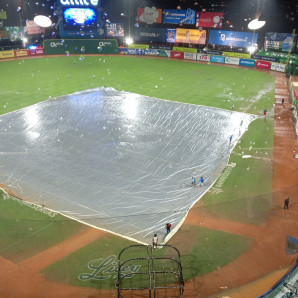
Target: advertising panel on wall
pixel 191 36
pixel 6 54
pixel 175 54
pixel 34 52
pixel 33 28
pixel 260 57
pixel 21 53
pixel 160 47
pixel 164 53
pixel 210 52
pixel 171 35
pixel 190 56
pixel 284 42
pixel 151 52
pixel 232 38
pixel 172 16
pixel 203 57
pixel 115 29
pixel 278 67
pixel 149 15
pixel 138 46
pixel 232 60
pixel 247 62
pixel 136 51
pixel 182 49
pixel 150 34
pixel 263 64
pixel 217 59
pixel 209 19
pixel 237 55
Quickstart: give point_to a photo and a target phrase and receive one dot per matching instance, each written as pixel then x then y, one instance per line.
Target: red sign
pixel 20 53
pixel 36 52
pixel 33 28
pixel 263 64
pixel 149 15
pixel 209 19
pixel 177 55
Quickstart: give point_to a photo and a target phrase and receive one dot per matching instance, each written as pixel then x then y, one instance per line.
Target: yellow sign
pixel 194 36
pixel 6 54
pixel 138 46
pixel 237 55
pixel 180 49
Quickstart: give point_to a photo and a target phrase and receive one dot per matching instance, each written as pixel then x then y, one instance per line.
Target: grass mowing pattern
pixel 25 232
pixel 33 80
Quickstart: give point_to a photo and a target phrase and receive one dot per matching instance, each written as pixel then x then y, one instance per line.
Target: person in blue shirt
pixel 202 181
pixel 193 183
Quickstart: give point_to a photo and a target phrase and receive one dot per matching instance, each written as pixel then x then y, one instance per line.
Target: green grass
pixel 25 232
pixel 209 251
pixel 30 81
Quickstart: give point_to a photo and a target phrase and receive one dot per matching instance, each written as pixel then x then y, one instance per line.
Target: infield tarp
pixel 115 160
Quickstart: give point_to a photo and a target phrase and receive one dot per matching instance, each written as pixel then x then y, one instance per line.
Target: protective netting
pixel 119 161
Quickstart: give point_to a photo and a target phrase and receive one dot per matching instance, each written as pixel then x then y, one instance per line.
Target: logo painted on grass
pixel 107 268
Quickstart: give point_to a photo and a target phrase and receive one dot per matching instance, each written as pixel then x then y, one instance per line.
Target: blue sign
pixel 150 34
pixel 77 3
pixel 171 35
pixel 217 59
pixel 136 51
pixel 247 62
pixel 173 16
pixel 232 38
pixel 284 42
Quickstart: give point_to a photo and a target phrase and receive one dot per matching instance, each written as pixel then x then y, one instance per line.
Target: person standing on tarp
pixel 168 228
pixel 286 203
pixel 154 241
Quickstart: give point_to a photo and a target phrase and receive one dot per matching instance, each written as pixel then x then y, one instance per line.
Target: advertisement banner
pixel 278 67
pixel 237 55
pixel 3 33
pixel 217 59
pixel 135 51
pixel 190 56
pixel 232 38
pixel 181 49
pixel 160 47
pixel 247 62
pixel 263 64
pixel 123 51
pixel 177 54
pixel 172 16
pixel 115 29
pixel 36 52
pixel 150 34
pixel 6 54
pixel 209 19
pixel 191 36
pixel 284 42
pixel 164 53
pixel 232 60
pixel 33 28
pixel 149 15
pixel 210 52
pixel 203 57
pixel 138 46
pixel 171 35
pixel 21 53
pixel 266 58
pixel 151 52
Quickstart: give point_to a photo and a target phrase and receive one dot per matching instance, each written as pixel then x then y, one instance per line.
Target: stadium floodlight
pixel 256 24
pixel 128 40
pixel 42 21
pixel 252 49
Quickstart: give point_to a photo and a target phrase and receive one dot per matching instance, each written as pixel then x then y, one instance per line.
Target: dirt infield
pixel 249 276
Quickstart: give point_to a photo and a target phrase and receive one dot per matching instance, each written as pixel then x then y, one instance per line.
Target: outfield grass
pixel 25 232
pixel 209 250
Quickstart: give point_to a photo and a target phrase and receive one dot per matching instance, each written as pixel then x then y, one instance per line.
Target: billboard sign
pixel 172 16
pixel 164 53
pixel 171 35
pixel 175 54
pixel 115 29
pixel 260 57
pixel 150 34
pixel 34 52
pixel 77 3
pixel 190 56
pixel 151 52
pixel 247 62
pixel 6 54
pixel 209 19
pixel 278 67
pixel 203 57
pixel 149 15
pixel 217 59
pixel 21 53
pixel 191 36
pixel 33 28
pixel 263 64
pixel 232 60
pixel 232 38
pixel 284 42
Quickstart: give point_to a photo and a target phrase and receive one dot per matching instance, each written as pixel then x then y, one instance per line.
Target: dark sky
pixel 280 15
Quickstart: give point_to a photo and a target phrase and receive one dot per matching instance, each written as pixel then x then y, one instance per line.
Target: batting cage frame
pixel 162 276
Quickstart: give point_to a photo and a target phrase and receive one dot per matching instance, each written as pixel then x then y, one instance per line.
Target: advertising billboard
pixel 172 16
pixel 209 19
pixel 21 53
pixel 217 59
pixel 171 35
pixel 203 57
pixel 284 42
pixel 192 36
pixel 33 28
pixel 232 60
pixel 115 29
pixel 150 34
pixel 175 54
pixel 247 62
pixel 149 15
pixel 190 56
pixel 263 64
pixel 232 38
pixel 278 67
pixel 78 3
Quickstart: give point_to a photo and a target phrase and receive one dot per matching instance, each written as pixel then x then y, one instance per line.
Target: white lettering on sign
pixel 79 2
